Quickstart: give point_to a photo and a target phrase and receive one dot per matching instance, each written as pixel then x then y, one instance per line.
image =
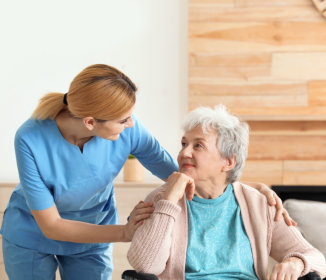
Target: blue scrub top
pixel 52 170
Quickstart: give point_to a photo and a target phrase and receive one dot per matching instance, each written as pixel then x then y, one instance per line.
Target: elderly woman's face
pixel 199 157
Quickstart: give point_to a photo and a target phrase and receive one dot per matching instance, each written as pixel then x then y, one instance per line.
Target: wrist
pixel 124 233
pixel 299 264
pixel 171 198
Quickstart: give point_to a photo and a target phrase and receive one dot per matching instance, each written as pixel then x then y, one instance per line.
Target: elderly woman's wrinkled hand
pixel 290 268
pixel 177 184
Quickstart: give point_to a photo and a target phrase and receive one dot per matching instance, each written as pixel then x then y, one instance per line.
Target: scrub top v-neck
pixel 52 170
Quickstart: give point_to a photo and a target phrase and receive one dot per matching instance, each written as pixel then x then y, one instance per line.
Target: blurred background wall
pixel 44 44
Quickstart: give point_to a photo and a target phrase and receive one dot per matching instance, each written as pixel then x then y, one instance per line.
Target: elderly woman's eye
pixel 183 144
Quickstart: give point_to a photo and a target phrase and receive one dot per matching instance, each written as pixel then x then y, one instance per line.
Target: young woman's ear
pixel 89 123
pixel 229 163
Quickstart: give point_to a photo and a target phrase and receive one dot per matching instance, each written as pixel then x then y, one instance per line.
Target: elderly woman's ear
pixel 229 163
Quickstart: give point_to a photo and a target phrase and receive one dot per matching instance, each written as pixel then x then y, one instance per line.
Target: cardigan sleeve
pixel 151 243
pixel 288 242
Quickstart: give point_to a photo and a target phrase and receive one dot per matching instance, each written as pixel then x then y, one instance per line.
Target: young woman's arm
pixel 54 227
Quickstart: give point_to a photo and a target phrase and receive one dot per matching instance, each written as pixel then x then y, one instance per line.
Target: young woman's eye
pixel 124 121
pixel 183 144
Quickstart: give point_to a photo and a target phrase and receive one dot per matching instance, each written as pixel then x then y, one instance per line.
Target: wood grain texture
pixel 268 51
pixel 251 102
pixel 267 3
pixel 215 13
pixel 300 66
pixel 239 72
pixel 286 128
pixel 317 93
pixel 269 172
pixel 220 3
pixel 304 172
pixel 261 88
pixel 250 36
pixel 228 60
pixel 291 147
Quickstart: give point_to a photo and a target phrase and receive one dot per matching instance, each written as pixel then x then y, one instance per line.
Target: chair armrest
pixel 133 275
pixel 310 276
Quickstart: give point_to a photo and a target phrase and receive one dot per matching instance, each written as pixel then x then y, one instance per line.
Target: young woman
pixel 63 212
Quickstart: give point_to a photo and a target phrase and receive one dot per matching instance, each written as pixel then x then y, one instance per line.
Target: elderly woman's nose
pixel 186 151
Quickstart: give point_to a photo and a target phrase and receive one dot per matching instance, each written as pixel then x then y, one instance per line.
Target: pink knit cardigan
pixel 159 246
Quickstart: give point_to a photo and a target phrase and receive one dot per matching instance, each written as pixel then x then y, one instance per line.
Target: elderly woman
pixel 206 225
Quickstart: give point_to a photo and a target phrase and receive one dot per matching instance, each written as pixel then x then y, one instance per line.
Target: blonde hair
pixel 99 91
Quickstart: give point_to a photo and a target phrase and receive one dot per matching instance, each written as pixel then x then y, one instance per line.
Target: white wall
pixel 44 44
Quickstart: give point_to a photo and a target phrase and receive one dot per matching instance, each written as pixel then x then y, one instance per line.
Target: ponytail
pixel 99 91
pixel 50 106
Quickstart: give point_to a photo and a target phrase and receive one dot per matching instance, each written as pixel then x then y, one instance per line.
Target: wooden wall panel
pixel 265 60
pixel 274 147
pixel 287 128
pixel 299 66
pixel 254 101
pixel 220 3
pixel 268 172
pixel 203 13
pixel 304 172
pixel 235 37
pixel 264 3
pixel 238 72
pixel 264 88
pixel 227 60
pixel 317 93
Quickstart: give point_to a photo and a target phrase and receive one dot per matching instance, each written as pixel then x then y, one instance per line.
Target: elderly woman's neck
pixel 210 189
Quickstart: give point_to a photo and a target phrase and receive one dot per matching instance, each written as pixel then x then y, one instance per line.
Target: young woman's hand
pixel 273 200
pixel 177 184
pixel 290 268
pixel 142 211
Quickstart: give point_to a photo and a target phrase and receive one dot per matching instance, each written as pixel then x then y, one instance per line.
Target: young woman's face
pixel 111 130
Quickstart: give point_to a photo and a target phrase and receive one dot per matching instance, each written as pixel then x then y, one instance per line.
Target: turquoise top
pixel 52 170
pixel 218 246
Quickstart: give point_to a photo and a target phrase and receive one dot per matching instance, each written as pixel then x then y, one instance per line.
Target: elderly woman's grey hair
pixel 233 134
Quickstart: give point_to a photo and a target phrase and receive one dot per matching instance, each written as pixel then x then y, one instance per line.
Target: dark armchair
pixel 133 275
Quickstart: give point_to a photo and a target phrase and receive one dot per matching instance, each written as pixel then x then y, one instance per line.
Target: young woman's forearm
pixel 57 228
pixel 80 232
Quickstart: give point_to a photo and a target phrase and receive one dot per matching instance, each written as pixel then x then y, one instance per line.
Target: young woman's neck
pixel 73 129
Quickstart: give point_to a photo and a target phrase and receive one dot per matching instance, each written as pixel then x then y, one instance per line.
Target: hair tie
pixel 65 99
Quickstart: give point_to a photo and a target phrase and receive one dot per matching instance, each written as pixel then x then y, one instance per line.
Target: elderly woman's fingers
pixel 287 269
pixel 273 275
pixel 270 196
pixel 288 220
pixel 279 207
pixel 190 189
